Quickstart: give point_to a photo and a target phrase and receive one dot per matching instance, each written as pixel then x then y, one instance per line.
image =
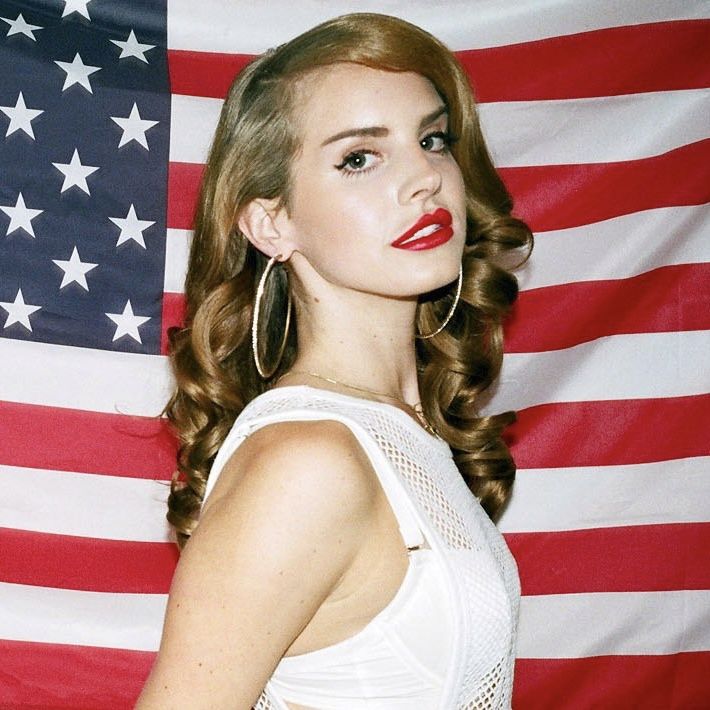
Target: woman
pixel 344 314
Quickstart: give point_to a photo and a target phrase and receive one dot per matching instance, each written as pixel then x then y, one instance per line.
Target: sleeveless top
pixel 446 641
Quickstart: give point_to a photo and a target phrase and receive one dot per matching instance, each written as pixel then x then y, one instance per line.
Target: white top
pixel 446 640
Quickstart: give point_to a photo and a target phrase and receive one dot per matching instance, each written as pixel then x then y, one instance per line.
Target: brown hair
pixel 250 158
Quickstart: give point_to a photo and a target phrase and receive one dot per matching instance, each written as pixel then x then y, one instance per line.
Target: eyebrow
pixel 380 131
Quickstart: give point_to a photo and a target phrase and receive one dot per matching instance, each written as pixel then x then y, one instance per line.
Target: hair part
pixel 251 157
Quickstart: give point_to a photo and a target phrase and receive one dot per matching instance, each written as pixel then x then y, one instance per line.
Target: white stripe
pixel 80 378
pixel 84 504
pixel 616 248
pixel 544 500
pixel 594 130
pixel 614 623
pixel 587 497
pixel 619 248
pixel 602 623
pixel 617 367
pixel 216 26
pixel 523 133
pixel 635 366
pixel 193 120
pixel 177 252
pixel 49 615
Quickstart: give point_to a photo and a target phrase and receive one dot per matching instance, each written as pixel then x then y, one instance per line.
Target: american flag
pixel 597 115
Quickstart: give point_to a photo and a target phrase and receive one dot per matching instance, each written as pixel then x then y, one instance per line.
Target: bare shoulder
pixel 283 525
pixel 321 461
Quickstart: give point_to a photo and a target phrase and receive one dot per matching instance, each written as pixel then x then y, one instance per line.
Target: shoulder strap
pixel 392 485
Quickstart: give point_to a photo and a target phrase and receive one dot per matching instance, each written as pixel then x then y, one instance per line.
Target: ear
pixel 260 222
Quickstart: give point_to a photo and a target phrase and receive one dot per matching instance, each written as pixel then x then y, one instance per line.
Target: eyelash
pixel 448 140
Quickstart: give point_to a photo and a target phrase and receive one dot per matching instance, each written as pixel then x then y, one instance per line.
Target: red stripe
pixel 620 60
pixel 183 189
pixel 115 444
pixel 667 299
pixel 611 432
pixel 208 74
pixel 641 558
pixel 63 677
pixel 659 56
pixel 89 564
pixel 673 682
pixel 561 196
pixel 173 316
pixel 549 196
pixel 599 560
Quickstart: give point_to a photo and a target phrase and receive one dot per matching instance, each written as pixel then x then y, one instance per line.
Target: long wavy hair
pixel 250 157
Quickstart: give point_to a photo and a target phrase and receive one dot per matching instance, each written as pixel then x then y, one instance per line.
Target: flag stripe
pixel 47 675
pixel 620 60
pixel 562 196
pixel 82 563
pixel 65 503
pixel 563 562
pixel 139 385
pixel 667 299
pixel 127 621
pixel 639 58
pixel 667 236
pixel 522 133
pixel 79 378
pixel 616 367
pixel 664 492
pixel 579 625
pixel 676 681
pixel 66 616
pixel 637 558
pixel 113 444
pixel 609 432
pixel 548 197
pixel 256 27
pixel 593 497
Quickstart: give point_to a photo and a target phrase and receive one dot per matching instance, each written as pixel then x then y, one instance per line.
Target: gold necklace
pixel 416 408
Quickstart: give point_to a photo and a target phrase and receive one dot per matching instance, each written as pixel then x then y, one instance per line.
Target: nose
pixel 420 178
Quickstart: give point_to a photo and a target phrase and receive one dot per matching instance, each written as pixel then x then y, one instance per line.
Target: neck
pixel 360 340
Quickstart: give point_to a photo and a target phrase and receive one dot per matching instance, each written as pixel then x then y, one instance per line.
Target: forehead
pixel 343 96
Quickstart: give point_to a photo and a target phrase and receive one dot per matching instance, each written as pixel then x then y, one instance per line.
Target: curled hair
pixel 251 157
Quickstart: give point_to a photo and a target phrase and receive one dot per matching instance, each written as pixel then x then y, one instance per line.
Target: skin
pixel 297 546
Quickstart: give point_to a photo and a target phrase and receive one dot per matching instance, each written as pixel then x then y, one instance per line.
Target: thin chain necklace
pixel 416 408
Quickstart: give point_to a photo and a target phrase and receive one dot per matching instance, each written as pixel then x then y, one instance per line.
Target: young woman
pixel 344 309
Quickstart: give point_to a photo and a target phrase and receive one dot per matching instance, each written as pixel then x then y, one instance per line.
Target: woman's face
pixel 375 160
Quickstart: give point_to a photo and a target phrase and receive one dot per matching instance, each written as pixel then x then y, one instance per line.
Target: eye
pixel 438 142
pixel 359 161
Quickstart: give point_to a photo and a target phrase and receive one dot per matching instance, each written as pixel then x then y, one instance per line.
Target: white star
pixel 134 127
pixel 20 216
pixel 20 117
pixel 77 73
pixel 20 26
pixel 132 47
pixel 131 227
pixel 18 311
pixel 75 173
pixel 74 270
pixel 127 323
pixel 76 6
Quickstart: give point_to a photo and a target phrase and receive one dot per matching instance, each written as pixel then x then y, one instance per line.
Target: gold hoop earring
pixel 255 323
pixel 459 283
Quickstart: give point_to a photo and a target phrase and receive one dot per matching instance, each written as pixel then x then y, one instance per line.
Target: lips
pixel 430 231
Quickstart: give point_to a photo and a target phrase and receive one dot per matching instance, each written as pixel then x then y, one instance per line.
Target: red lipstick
pixel 435 229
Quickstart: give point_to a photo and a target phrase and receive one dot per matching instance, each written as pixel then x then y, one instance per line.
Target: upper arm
pixel 283 525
